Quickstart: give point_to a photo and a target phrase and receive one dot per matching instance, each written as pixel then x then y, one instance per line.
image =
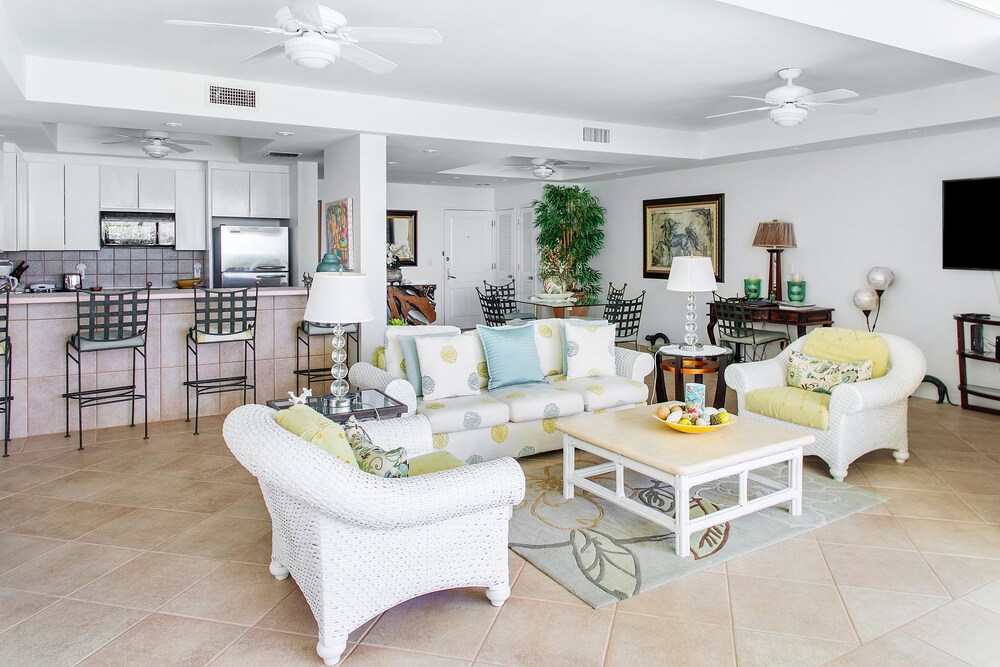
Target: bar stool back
pixel 112 320
pixel 221 316
pixel 304 334
pixel 5 351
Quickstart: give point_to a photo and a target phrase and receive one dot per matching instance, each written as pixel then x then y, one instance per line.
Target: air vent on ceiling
pixel 233 97
pixel 282 154
pixel 597 135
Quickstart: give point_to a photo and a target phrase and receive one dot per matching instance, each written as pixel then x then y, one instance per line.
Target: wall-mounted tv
pixel 971 224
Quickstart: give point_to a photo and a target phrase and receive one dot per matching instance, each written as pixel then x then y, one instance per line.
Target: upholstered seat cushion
pixel 599 393
pixel 838 344
pixel 85 345
pixel 530 402
pixel 792 404
pixel 434 462
pixel 463 413
pixel 202 337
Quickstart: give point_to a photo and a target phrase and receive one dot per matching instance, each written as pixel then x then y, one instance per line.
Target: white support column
pixel 304 210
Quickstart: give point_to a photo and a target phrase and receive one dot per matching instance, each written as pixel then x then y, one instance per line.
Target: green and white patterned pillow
pixel 448 366
pixel 374 459
pixel 590 351
pixel 815 374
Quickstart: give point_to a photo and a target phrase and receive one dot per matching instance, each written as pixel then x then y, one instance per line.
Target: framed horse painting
pixel 680 226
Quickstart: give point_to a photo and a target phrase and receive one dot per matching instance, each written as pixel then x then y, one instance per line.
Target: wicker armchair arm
pixel 633 365
pixel 365 376
pixel 904 376
pixel 413 433
pixel 747 377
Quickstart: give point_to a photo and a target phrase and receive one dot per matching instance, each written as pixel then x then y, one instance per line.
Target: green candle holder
pixel 797 290
pixel 751 286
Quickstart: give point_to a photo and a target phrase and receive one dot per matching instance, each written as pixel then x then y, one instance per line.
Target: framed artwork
pixel 401 230
pixel 336 230
pixel 679 226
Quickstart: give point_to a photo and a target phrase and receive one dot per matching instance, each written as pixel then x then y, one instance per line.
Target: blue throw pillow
pixel 411 362
pixel 511 356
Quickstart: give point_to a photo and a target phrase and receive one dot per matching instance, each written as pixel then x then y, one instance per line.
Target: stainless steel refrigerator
pixel 244 255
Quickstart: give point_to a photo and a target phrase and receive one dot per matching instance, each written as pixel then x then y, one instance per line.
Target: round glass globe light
pixel 866 298
pixel 880 277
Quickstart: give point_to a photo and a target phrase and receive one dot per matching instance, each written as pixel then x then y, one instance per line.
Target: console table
pixel 965 354
pixel 413 304
pixel 801 318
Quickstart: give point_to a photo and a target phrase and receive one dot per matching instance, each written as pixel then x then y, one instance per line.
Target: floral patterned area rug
pixel 603 553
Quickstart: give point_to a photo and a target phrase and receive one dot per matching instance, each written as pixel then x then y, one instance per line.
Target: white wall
pixel 853 208
pixel 430 203
pixel 303 221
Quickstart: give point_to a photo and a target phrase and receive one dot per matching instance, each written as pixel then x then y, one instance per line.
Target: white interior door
pixel 468 247
pixel 526 252
pixel 505 256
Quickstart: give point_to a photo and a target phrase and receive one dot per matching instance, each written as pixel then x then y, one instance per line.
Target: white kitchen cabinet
pixel 119 188
pixel 189 216
pixel 45 210
pixel 231 193
pixel 156 189
pixel 8 201
pixel 82 206
pixel 268 194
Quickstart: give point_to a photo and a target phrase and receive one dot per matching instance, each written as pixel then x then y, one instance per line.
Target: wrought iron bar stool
pixel 221 316
pixel 5 351
pixel 112 320
pixel 304 334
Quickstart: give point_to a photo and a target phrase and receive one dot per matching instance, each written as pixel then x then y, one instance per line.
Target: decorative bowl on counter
pixel 187 283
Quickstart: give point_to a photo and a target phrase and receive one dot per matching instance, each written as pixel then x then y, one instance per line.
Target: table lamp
pixel 775 236
pixel 691 274
pixel 338 299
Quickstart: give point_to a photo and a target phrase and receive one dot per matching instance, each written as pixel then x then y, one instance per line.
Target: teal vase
pixel 330 263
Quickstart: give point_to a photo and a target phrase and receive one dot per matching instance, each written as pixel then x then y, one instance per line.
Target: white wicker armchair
pixel 864 416
pixel 357 544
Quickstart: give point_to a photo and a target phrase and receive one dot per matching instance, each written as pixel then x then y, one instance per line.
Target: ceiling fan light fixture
pixel 542 171
pixel 312 51
pixel 787 115
pixel 155 149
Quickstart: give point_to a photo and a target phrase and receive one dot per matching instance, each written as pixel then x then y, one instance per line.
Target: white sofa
pixel 517 420
pixel 358 544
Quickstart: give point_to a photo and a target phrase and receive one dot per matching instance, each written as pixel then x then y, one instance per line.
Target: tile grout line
pixel 840 595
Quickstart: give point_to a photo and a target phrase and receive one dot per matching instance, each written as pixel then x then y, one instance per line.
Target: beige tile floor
pixel 154 553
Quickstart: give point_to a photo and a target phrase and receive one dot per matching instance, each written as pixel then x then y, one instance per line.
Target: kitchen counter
pixel 155 294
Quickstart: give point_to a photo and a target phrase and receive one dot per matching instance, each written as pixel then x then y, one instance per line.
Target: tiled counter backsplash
pixel 112 267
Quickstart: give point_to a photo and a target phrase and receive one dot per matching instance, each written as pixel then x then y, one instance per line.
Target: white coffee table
pixel 634 440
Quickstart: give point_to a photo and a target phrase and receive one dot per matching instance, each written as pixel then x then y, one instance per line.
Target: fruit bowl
pixel 676 409
pixel 187 283
pixel 691 428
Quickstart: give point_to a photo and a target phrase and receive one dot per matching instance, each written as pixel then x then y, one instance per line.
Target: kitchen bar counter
pixel 154 294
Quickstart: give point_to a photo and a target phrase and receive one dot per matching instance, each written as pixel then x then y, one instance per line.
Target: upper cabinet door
pixel 268 194
pixel 231 193
pixel 120 188
pixel 83 209
pixel 190 228
pixel 45 206
pixel 156 189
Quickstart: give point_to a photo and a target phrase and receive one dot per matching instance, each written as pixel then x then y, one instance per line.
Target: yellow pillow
pixel 838 344
pixel 791 404
pixel 311 426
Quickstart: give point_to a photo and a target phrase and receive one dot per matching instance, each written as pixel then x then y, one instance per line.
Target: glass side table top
pixel 365 404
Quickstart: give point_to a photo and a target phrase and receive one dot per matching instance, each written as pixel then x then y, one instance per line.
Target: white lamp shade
pixel 338 298
pixel 691 274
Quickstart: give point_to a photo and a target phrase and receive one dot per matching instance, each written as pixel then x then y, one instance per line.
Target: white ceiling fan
pixel 157 144
pixel 320 36
pixel 543 168
pixel 788 105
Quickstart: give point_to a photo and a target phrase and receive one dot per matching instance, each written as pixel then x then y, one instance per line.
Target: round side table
pixel 698 363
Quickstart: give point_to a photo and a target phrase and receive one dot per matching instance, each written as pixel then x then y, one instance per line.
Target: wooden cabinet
pixel 82 207
pixel 238 193
pixel 156 189
pixel 189 217
pixel 119 188
pixel 268 194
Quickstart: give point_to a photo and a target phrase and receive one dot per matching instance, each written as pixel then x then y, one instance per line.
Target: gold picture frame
pixel 678 226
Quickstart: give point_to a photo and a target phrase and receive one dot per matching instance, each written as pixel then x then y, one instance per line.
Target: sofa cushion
pixel 411 362
pixel 812 373
pixel 511 355
pixel 838 344
pixel 464 413
pixel 311 426
pixel 549 345
pixel 530 402
pixel 590 351
pixel 603 392
pixel 791 404
pixel 434 462
pixel 394 364
pixel 482 369
pixel 447 366
pixel 574 322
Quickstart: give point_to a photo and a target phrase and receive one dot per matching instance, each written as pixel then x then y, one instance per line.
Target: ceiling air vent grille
pixel 597 135
pixel 233 97
pixel 282 155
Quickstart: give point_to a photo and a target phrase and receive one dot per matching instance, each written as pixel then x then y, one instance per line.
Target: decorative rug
pixel 603 553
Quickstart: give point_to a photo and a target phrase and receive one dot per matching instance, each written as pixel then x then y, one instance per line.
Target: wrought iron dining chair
pixel 494 312
pixel 736 328
pixel 615 294
pixel 626 315
pixel 505 294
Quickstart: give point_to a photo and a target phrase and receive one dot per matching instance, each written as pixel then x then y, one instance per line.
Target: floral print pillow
pixel 448 366
pixel 590 351
pixel 815 374
pixel 374 459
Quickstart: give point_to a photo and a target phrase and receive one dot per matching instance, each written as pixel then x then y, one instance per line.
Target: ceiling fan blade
pixel 392 35
pixel 365 58
pixel 269 52
pixel 128 136
pixel 205 24
pixel 733 113
pixel 176 147
pixel 755 99
pixel 570 167
pixel 848 108
pixel 123 141
pixel 190 142
pixel 829 96
pixel 306 12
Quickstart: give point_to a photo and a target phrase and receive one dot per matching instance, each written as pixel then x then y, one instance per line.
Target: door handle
pixel 451 277
pixel 509 275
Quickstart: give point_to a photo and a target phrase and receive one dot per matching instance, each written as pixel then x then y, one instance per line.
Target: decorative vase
pixel 330 263
pixel 751 286
pixel 554 285
pixel 394 275
pixel 797 290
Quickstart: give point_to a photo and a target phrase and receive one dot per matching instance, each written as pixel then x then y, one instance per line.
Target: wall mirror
pixel 401 230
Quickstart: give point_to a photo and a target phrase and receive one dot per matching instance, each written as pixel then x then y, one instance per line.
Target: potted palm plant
pixel 570 222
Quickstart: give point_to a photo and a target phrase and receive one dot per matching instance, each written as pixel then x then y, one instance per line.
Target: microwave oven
pixel 137 229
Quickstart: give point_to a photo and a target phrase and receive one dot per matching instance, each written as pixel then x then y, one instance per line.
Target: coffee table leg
pixel 795 482
pixel 682 516
pixel 569 462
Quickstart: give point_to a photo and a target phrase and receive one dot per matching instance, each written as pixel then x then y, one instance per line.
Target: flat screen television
pixel 971 224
